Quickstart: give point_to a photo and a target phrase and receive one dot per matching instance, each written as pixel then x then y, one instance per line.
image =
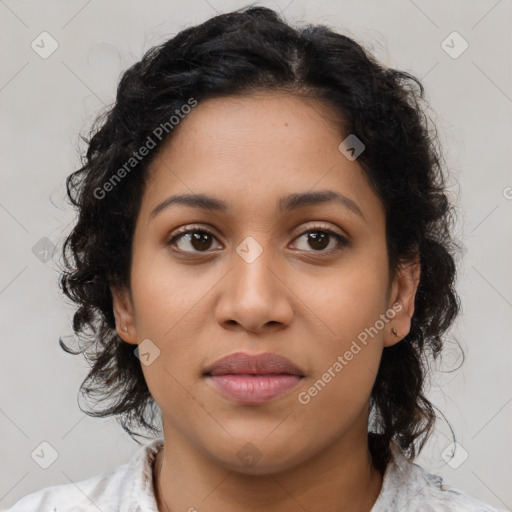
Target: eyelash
pixel 342 241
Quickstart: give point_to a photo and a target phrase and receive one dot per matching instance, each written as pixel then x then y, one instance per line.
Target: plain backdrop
pixel 462 53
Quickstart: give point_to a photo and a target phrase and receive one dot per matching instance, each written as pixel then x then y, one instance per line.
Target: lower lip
pixel 254 389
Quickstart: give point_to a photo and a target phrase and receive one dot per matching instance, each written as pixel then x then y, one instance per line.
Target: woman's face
pixel 270 275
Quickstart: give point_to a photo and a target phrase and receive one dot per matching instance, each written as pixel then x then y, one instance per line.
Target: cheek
pixel 167 312
pixel 346 356
pixel 338 398
pixel 349 304
pixel 171 310
pixel 347 300
pixel 166 294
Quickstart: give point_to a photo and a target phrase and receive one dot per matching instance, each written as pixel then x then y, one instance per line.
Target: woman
pixel 263 255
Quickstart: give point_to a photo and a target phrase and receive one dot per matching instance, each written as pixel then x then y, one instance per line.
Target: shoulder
pixel 98 490
pixel 409 488
pixel 123 488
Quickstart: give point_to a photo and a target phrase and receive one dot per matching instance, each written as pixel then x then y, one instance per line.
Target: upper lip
pixel 241 363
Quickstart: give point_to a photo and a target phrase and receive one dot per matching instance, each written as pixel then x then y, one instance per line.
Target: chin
pixel 260 456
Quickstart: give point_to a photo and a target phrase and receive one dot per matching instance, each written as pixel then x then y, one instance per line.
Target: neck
pixel 343 475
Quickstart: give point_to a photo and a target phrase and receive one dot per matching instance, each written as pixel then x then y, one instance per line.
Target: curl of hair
pixel 253 49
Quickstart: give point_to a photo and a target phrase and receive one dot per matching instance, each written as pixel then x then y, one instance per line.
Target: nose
pixel 255 296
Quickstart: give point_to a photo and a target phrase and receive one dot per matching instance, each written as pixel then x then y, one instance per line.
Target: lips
pixel 241 363
pixel 253 379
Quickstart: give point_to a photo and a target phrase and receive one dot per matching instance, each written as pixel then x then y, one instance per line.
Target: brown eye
pixel 199 239
pixel 321 241
pixel 318 240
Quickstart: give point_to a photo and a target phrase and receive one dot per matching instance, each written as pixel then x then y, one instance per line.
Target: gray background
pixel 46 102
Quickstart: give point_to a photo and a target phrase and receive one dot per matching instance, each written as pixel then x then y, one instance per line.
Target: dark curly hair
pixel 254 49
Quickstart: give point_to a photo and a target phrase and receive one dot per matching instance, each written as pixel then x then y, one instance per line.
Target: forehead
pixel 235 126
pixel 252 150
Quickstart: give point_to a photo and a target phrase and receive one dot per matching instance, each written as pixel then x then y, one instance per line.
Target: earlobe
pixel 402 299
pixel 123 312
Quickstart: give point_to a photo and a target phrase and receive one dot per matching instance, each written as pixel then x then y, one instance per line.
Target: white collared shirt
pixel 406 487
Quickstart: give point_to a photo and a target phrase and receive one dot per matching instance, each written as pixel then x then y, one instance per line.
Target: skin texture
pixel 197 307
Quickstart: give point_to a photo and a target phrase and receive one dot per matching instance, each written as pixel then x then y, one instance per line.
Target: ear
pixel 401 300
pixel 123 311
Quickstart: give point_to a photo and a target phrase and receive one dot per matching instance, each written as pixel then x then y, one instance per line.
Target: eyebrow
pixel 286 204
